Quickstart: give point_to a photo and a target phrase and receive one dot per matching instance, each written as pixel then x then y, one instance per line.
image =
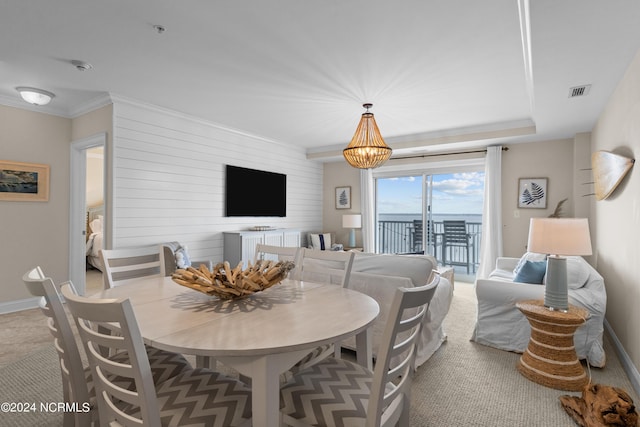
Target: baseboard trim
pixel 19 305
pixel 627 364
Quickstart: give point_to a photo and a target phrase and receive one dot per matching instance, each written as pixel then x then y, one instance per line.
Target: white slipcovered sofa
pixel 501 325
pixel 379 275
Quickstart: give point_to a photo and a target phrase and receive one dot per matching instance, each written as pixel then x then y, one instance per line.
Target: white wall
pixel 617 219
pixel 340 174
pixel 169 185
pixel 169 180
pixel 553 160
pixel 34 233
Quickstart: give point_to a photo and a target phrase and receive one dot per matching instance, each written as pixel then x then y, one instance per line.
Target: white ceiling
pixel 441 74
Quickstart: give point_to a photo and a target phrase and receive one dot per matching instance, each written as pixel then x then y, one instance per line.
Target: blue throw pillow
pixel 532 272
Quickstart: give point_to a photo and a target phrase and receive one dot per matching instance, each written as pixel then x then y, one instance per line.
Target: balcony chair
pixel 319 396
pixel 416 238
pixel 77 381
pixel 456 236
pixel 192 397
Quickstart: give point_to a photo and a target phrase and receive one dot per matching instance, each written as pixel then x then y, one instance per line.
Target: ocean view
pixel 409 217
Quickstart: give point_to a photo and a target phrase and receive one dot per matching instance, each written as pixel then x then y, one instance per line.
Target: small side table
pixel 550 358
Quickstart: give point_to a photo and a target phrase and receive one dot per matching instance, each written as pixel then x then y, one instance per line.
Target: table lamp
pixel 557 237
pixel 352 222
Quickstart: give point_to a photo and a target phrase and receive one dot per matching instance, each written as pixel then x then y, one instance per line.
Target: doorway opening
pixel 94 206
pixel 87 211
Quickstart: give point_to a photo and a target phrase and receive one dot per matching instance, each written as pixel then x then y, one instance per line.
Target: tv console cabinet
pixel 241 245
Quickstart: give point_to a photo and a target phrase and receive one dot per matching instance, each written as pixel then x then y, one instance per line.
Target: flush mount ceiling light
pixel 35 96
pixel 367 149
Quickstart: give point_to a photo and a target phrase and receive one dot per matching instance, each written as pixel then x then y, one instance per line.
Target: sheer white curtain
pixel 367 202
pixel 491 244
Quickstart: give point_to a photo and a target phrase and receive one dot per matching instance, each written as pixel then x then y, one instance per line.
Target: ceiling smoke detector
pixel 579 91
pixel 81 65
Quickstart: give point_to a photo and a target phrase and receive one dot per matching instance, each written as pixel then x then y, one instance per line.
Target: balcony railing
pixel 405 237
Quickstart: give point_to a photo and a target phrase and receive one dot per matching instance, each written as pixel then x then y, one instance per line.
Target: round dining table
pixel 261 336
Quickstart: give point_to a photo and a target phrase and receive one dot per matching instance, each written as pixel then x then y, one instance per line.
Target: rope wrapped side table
pixel 550 358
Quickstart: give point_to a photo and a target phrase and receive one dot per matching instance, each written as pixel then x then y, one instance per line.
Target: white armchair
pixel 501 325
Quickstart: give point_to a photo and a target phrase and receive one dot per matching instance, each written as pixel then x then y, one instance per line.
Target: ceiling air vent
pixel 579 91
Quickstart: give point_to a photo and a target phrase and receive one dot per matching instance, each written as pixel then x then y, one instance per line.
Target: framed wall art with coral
pixel 24 181
pixel 532 193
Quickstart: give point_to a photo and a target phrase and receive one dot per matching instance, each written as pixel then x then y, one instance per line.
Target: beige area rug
pixel 463 384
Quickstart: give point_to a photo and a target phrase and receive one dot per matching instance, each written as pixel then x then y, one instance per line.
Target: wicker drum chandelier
pixel 367 149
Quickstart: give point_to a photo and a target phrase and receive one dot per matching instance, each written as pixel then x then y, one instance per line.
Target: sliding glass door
pixel 399 203
pixel 434 212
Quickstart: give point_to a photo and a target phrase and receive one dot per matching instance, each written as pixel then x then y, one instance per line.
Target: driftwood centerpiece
pixel 227 283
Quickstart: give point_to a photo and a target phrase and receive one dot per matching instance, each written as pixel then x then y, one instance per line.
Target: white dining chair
pixel 122 266
pixel 77 380
pixel 74 385
pixel 278 253
pixel 324 267
pixel 194 397
pixel 337 392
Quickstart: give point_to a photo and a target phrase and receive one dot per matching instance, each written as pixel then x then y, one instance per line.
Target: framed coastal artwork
pixel 24 181
pixel 343 197
pixel 532 193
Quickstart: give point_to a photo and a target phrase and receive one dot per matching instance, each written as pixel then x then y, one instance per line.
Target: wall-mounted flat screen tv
pixel 251 192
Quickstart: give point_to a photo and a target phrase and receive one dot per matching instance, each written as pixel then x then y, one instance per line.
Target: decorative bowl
pixel 226 283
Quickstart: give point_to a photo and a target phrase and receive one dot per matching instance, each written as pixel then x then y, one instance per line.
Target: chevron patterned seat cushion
pixel 318 354
pixel 164 366
pixel 203 398
pixel 333 392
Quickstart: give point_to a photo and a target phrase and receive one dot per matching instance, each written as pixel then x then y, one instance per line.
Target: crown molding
pixel 16 102
pixel 91 105
pixel 420 142
pixel 84 108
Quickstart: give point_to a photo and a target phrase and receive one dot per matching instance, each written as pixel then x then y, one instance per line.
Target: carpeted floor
pixel 32 380
pixel 468 384
pixel 463 384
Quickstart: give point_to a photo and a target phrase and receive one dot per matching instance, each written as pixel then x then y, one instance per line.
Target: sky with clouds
pixel 452 193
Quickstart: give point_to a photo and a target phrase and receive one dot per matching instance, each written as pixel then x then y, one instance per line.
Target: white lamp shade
pixel 351 221
pixel 35 96
pixel 559 236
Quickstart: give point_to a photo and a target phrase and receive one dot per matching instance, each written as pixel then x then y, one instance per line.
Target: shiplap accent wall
pixel 168 172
